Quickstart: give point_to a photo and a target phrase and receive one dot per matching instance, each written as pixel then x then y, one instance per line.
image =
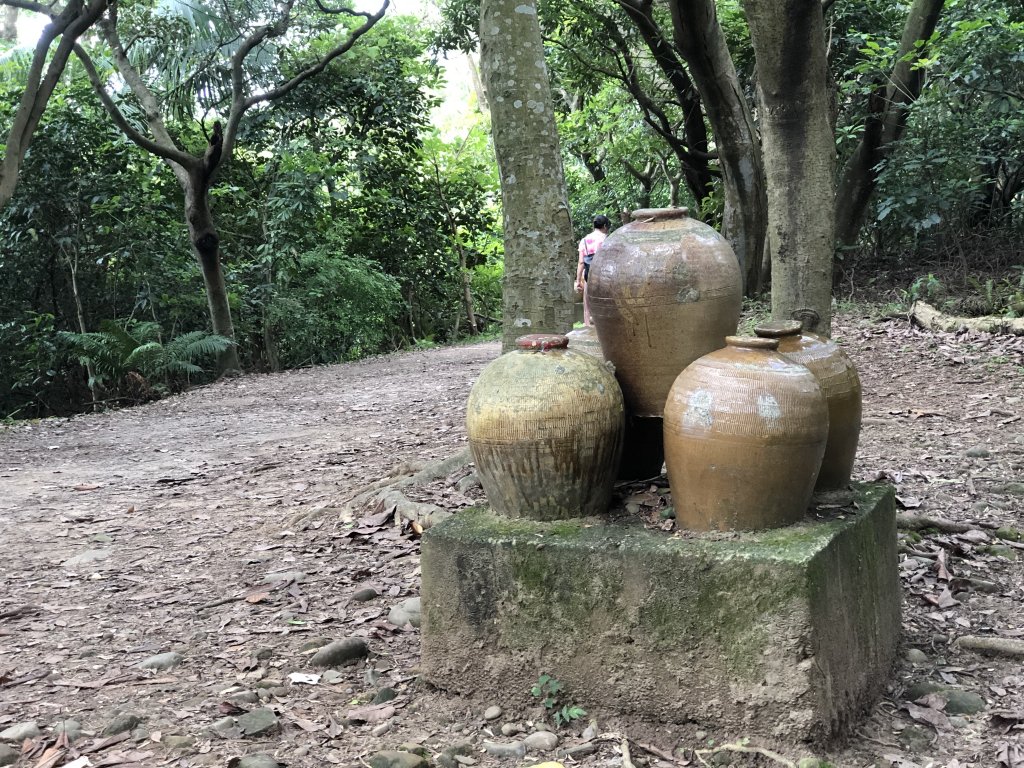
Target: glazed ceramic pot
pixel 585 340
pixel 745 431
pixel 643 451
pixel 664 290
pixel 545 430
pixel 840 384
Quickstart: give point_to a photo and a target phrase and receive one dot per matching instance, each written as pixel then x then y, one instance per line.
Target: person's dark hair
pixel 601 221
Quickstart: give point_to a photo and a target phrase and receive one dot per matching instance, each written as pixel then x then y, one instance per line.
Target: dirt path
pixel 180 513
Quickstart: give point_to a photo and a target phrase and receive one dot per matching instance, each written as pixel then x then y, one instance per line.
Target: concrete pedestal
pixel 789 633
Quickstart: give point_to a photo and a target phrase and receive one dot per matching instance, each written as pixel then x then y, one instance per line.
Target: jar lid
pixel 542 341
pixel 774 329
pixel 751 342
pixel 659 214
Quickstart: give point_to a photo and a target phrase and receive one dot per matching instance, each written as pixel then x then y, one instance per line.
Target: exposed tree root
pixel 389 495
pixel 921 522
pixel 927 316
pixel 738 747
pixel 993 646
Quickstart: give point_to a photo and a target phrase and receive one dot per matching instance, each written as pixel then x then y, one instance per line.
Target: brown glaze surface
pixel 664 290
pixel 840 384
pixel 545 430
pixel 745 430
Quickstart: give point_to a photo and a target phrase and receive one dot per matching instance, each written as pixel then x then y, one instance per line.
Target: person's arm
pixel 579 269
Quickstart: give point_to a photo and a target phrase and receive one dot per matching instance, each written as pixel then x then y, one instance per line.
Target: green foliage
pixel 550 693
pixel 31 379
pixel 926 288
pixel 120 349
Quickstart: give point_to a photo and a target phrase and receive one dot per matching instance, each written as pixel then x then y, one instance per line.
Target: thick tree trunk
pixel 702 42
pixel 540 253
pixel 799 155
pixel 886 121
pixel 206 246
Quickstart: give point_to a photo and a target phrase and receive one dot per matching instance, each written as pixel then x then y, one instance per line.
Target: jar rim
pixel 751 342
pixel 541 342
pixel 773 329
pixel 659 214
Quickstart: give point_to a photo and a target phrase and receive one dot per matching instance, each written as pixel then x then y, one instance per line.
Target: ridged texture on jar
pixel 585 340
pixel 545 430
pixel 841 386
pixel 745 431
pixel 664 290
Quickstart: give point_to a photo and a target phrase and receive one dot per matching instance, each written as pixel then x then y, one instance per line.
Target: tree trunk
pixel 702 42
pixel 206 246
pixel 799 155
pixel 540 253
pixel 9 24
pixel 885 123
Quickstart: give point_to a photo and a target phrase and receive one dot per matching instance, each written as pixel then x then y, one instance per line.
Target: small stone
pixel 273 578
pixel 259 760
pixel 258 722
pixel 502 750
pixel 700 735
pixel 406 612
pixel 492 713
pixel 380 730
pixel 958 722
pixel 70 728
pixel 963 702
pixel 161 661
pixel 365 594
pixel 915 738
pixel 590 732
pixel 978 452
pixel 302 751
pixel 126 721
pixel 541 741
pixel 449 755
pixel 263 694
pixel 469 481
pixel 264 653
pixel 178 742
pixel 20 731
pixel 87 557
pixel 226 728
pixel 464 760
pixel 314 644
pixel 8 755
pixel 916 656
pixel 392 758
pixel 511 729
pixel 580 750
pixel 668 513
pixel 340 653
pixel 331 676
pixel 383 695
pixel 244 697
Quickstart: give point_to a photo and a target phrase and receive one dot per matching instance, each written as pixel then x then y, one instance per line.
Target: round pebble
pixel 492 713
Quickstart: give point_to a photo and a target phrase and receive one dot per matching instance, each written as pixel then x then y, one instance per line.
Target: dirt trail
pixel 179 510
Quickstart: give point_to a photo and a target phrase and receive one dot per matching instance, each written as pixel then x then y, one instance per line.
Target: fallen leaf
pixel 305 678
pixel 933 717
pixel 371 714
pixel 908 502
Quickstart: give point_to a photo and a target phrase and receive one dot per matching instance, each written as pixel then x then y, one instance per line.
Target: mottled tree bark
pixel 799 155
pixel 886 121
pixel 702 42
pixel 540 253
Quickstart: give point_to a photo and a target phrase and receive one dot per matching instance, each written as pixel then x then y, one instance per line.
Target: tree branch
pixel 171 154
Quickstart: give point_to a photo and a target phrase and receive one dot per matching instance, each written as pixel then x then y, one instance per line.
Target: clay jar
pixel 545 429
pixel 745 430
pixel 643 450
pixel 840 384
pixel 664 290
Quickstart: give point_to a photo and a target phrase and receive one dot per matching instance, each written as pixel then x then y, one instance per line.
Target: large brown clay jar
pixel 643 447
pixel 664 290
pixel 745 430
pixel 545 430
pixel 840 384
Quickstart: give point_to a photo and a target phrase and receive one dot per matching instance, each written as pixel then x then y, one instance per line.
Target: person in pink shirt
pixel 589 245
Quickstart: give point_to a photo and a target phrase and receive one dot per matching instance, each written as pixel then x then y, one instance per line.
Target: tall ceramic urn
pixel 545 430
pixel 664 290
pixel 841 386
pixel 745 430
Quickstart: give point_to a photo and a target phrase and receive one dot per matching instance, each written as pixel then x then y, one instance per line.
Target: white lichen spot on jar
pixel 698 409
pixel 768 407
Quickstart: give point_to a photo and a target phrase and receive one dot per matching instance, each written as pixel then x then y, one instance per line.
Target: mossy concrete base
pixel 788 633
